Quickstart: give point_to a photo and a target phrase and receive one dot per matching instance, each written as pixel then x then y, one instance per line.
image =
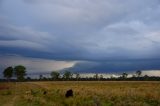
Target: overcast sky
pixel 108 36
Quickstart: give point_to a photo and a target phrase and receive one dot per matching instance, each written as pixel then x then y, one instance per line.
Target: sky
pixel 85 36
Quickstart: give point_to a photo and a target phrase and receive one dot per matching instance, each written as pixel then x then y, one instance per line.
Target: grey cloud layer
pixel 115 66
pixel 81 29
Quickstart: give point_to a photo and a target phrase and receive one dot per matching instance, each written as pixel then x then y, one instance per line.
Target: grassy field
pixel 88 93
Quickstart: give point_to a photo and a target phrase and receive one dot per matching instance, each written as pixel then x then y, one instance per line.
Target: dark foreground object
pixel 45 92
pixel 69 93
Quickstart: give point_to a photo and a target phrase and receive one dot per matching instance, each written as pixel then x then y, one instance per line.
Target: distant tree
pixel 101 76
pixel 40 77
pixel 28 79
pixel 146 77
pixel 20 72
pixel 45 79
pixel 95 76
pixel 8 73
pixel 138 73
pixel 67 75
pixel 111 77
pixel 55 75
pixel 77 76
pixel 133 76
pixel 124 75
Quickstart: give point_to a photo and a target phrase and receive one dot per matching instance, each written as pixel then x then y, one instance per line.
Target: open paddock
pixel 85 93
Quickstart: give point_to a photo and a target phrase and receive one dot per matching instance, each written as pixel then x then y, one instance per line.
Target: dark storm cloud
pixel 115 66
pixel 84 30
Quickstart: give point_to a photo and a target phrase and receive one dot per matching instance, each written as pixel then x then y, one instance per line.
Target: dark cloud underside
pixel 92 32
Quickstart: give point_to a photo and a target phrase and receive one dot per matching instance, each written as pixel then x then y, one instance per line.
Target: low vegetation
pixel 85 93
pixel 20 72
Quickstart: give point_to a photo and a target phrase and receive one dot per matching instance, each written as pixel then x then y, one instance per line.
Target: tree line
pixel 19 72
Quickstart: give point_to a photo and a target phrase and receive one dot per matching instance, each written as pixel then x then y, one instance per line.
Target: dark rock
pixel 69 93
pixel 44 92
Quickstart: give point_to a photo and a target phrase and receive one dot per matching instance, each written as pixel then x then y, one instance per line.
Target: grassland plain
pixel 86 93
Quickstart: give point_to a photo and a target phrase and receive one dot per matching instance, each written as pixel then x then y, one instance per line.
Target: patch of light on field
pixel 90 75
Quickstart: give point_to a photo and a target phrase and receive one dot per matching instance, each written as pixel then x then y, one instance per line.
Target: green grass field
pixel 87 93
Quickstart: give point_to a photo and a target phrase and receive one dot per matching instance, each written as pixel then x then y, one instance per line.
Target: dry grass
pixel 88 93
